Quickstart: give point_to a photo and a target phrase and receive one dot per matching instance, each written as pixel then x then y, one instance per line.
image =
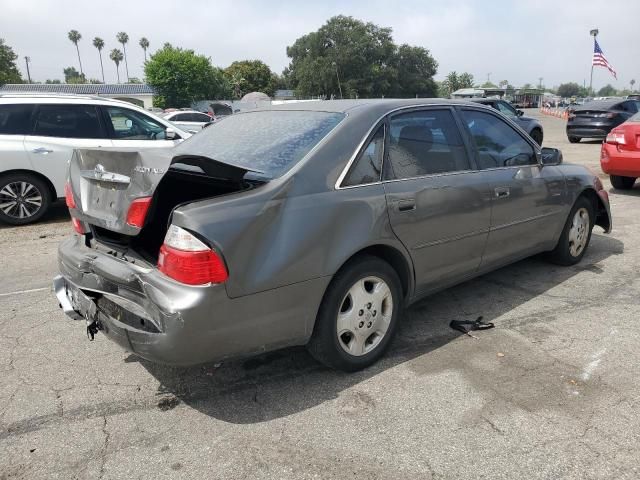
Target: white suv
pixel 38 134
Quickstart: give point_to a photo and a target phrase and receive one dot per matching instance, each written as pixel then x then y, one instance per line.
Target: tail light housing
pixel 616 138
pixel 138 211
pixel 188 260
pixel 71 203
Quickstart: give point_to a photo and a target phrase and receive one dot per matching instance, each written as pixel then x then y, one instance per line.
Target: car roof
pixel 344 106
pixel 484 100
pixel 23 97
pixel 600 104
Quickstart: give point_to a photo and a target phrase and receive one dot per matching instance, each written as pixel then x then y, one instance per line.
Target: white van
pixel 38 133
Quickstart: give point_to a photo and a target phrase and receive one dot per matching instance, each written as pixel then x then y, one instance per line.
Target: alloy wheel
pixel 20 200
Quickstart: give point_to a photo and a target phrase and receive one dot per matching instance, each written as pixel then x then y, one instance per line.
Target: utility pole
pixel 27 60
pixel 594 34
pixel 338 77
pixel 540 82
pixel 489 77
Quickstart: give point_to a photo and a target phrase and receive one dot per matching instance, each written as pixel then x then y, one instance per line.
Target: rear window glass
pixel 15 119
pixel 270 142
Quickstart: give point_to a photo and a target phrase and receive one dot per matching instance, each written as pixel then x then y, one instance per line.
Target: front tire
pixel 24 198
pixel 576 234
pixel 358 316
pixel 573 139
pixel 622 183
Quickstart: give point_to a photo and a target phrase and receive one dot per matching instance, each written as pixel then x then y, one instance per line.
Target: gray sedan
pixel 530 125
pixel 310 224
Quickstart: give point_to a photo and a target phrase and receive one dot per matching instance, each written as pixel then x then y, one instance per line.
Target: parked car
pixel 620 154
pixel 530 125
pixel 191 120
pixel 314 223
pixel 596 119
pixel 39 132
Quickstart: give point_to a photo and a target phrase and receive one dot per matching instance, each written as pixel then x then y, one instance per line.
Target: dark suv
pixel 596 119
pixel 528 124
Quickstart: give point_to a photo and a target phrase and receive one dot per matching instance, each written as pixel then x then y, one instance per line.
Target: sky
pixel 519 41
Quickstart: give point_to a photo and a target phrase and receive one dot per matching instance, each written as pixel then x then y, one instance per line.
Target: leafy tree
pixel 607 91
pixel 71 75
pixel 9 72
pixel 75 37
pixel 454 82
pixel 632 83
pixel 527 86
pixel 134 80
pixel 99 44
pixel 144 44
pixel 55 81
pixel 415 69
pixel 181 77
pixel 123 38
pixel 503 83
pixel 251 76
pixel 570 89
pixel 489 85
pixel 116 56
pixel 357 58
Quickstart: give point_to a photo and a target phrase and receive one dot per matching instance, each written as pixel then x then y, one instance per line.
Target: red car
pixel 620 154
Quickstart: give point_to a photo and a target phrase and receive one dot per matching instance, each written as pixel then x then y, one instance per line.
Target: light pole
pixel 335 65
pixel 594 34
pixel 540 82
pixel 27 60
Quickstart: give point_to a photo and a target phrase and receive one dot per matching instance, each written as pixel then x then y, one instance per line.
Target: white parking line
pixel 19 292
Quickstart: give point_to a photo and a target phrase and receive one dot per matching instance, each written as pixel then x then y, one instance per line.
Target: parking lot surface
pixel 551 393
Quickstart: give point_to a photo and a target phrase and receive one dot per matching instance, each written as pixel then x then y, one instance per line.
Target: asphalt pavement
pixel 551 393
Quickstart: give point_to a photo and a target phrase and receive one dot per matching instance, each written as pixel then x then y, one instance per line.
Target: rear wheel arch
pixel 33 173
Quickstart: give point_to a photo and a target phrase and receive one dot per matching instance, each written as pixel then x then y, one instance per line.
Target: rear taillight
pixel 188 260
pixel 616 138
pixel 611 115
pixel 68 196
pixel 77 226
pixel 138 211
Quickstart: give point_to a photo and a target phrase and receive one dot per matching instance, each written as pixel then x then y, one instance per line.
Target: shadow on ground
pixel 58 212
pixel 288 381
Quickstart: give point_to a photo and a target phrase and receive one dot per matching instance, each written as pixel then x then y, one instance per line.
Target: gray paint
pixel 283 242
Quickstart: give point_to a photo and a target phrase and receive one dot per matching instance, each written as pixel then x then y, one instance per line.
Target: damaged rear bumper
pixel 167 322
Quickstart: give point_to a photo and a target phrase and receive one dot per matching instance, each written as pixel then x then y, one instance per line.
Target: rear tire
pixel 536 134
pixel 358 316
pixel 24 198
pixel 576 234
pixel 573 139
pixel 622 183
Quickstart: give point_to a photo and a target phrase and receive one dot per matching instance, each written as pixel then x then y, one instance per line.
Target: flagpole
pixel 594 34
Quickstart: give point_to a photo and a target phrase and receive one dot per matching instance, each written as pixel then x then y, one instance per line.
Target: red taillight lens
pixel 68 196
pixel 138 211
pixel 188 260
pixel 77 226
pixel 616 138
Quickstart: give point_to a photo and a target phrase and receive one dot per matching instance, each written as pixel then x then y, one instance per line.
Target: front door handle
pixel 502 192
pixel 406 205
pixel 42 150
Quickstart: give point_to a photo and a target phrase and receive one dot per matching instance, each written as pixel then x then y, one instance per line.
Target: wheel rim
pixel 579 232
pixel 364 316
pixel 20 200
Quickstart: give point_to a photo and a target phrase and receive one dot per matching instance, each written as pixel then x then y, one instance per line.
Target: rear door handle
pixel 406 205
pixel 502 192
pixel 42 150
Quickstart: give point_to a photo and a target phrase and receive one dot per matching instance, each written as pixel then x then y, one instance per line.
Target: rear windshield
pixel 270 142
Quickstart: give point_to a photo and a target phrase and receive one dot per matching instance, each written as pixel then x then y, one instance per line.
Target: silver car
pixel 311 224
pixel 189 120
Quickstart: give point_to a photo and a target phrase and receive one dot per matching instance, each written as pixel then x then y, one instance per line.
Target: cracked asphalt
pixel 551 393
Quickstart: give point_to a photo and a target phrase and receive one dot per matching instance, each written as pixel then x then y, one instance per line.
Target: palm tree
pixel 123 38
pixel 75 37
pixel 116 56
pixel 99 44
pixel 632 83
pixel 144 43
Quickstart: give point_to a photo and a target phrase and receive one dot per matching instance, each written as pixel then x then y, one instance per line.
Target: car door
pixel 15 122
pixel 57 130
pixel 129 128
pixel 527 199
pixel 438 204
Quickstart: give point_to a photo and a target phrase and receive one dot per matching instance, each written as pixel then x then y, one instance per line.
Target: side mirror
pixel 519 113
pixel 550 156
pixel 170 134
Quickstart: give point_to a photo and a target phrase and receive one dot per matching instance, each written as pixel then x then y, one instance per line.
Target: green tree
pixel 566 90
pixel 123 38
pixel 348 55
pixel 454 82
pixel 465 80
pixel 632 83
pixel 99 44
pixel 75 37
pixel 607 91
pixel 55 81
pixel 9 72
pixel 71 75
pixel 181 77
pixel 144 44
pixel 116 56
pixel 489 85
pixel 251 76
pixel 415 69
pixel 527 86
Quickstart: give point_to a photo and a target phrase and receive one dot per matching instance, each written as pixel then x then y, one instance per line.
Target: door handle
pixel 42 150
pixel 406 205
pixel 502 192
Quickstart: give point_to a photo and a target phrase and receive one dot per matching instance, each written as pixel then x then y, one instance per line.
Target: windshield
pixel 270 142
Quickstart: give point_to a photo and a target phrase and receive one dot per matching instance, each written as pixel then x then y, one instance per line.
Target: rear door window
pixel 425 143
pixel 15 119
pixel 497 144
pixel 368 167
pixel 68 121
pixel 132 125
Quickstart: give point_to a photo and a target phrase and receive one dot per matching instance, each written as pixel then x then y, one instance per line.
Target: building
pixel 139 94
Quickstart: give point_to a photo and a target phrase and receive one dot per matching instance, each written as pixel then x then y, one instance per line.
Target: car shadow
pixel 633 192
pixel 285 382
pixel 58 212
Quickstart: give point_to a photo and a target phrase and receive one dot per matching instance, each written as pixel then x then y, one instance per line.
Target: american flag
pixel 600 61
